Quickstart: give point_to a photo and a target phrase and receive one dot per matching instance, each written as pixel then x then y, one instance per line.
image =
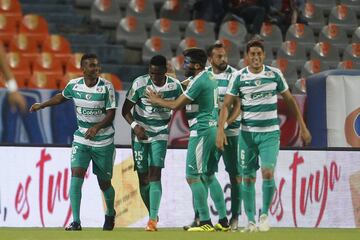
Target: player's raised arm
pixel 55 100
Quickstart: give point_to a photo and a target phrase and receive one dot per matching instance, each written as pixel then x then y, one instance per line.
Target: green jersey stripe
pixel 260 123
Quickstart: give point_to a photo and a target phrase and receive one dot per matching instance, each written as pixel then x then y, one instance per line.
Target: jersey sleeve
pixel 234 85
pixel 132 94
pixel 68 92
pixel 194 89
pixel 282 85
pixel 110 102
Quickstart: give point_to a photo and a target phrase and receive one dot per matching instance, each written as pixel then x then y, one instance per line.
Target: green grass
pixel 177 233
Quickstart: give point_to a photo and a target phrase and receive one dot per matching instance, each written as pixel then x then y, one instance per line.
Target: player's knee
pixel 192 180
pixel 154 174
pixel 104 184
pixel 267 173
pixel 143 178
pixel 78 172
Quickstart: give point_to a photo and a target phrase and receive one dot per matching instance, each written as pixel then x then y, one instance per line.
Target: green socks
pixel 248 189
pixel 235 199
pixel 145 196
pixel 155 197
pixel 200 200
pixel 268 189
pixel 109 196
pixel 75 197
pixel 216 194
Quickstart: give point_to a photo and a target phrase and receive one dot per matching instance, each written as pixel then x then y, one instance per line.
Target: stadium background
pixel 45 40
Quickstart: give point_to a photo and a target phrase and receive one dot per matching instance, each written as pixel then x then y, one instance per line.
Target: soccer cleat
pixel 203 228
pixel 195 223
pixel 109 222
pixel 234 224
pixel 264 225
pixel 251 227
pixel 74 226
pixel 151 226
pixel 223 225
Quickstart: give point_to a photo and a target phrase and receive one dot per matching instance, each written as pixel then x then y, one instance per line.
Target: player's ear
pixel 197 66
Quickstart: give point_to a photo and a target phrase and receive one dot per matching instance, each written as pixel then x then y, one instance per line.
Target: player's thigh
pixel 103 161
pixel 230 156
pixel 268 145
pixel 80 156
pixel 141 156
pixel 157 153
pixel 248 153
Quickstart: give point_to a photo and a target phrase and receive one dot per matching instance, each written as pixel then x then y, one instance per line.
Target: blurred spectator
pixel 287 12
pixel 252 12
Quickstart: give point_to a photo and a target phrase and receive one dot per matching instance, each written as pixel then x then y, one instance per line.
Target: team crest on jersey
pixel 269 74
pixel 257 82
pixel 171 86
pixel 99 89
pixel 88 96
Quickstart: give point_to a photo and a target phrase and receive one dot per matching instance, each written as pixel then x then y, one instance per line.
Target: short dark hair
pixel 87 56
pixel 196 55
pixel 255 43
pixel 158 60
pixel 212 47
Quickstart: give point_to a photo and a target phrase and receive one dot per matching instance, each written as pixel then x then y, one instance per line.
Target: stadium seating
pixel 59 46
pixel 293 52
pixel 131 32
pixel 201 30
pixel 334 35
pixel 106 12
pixel 232 51
pixel 168 30
pixel 348 64
pixel 154 46
pixel 8 29
pixel 301 33
pixel 27 47
pixel 234 31
pixel 344 17
pixel 176 10
pixel 325 5
pixel 11 9
pixel 243 62
pixel 272 36
pixel 356 36
pixel 352 52
pixel 84 3
pixel 43 80
pixel 34 27
pixel 142 9
pixel 314 16
pixel 177 63
pixel 114 79
pixel 48 65
pixel 326 53
pixel 20 67
pixel 313 66
pixel 353 4
pixel 188 42
pixel 288 69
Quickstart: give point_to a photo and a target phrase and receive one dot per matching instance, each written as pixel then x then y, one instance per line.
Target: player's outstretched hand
pixel 153 98
pixel 35 107
pixel 140 132
pixel 221 139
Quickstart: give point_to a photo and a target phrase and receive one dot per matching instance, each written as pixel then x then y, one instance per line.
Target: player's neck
pixel 256 70
pixel 90 82
pixel 216 70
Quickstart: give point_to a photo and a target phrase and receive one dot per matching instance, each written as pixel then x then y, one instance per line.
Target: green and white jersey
pixel 91 104
pixel 154 119
pixel 258 94
pixel 223 80
pixel 202 91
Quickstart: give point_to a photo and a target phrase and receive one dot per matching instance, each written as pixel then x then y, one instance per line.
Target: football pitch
pixel 177 233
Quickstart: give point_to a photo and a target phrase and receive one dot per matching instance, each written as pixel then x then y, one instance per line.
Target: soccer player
pixel 217 57
pixel 150 131
pixel 200 99
pixel 94 98
pixel 257 86
pixel 14 97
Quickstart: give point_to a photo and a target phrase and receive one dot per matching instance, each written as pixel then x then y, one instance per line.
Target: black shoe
pixel 74 226
pixel 109 222
pixel 195 223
